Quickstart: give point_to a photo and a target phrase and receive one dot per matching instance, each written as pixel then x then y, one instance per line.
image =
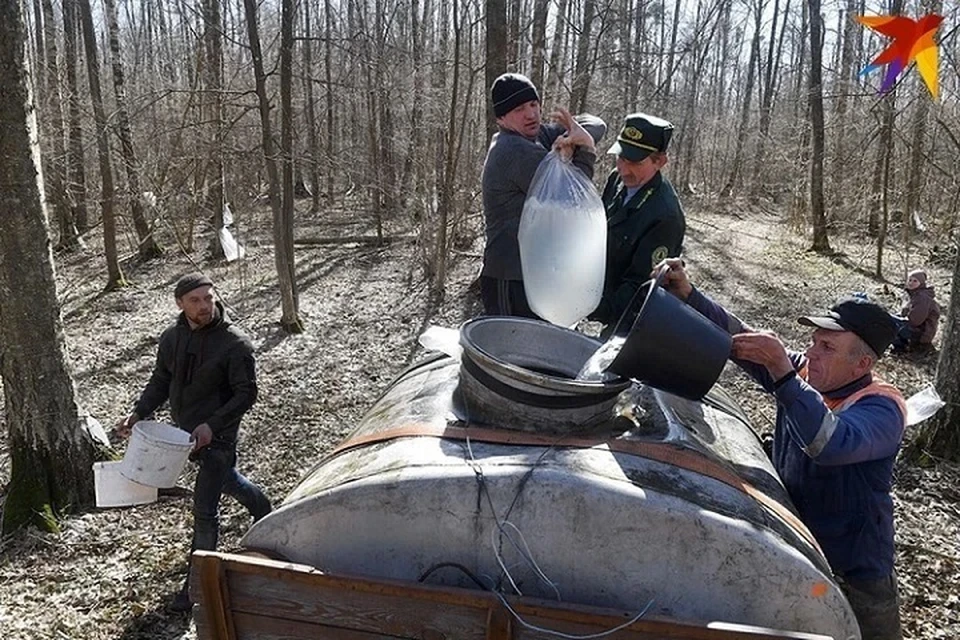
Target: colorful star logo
pixel 912 41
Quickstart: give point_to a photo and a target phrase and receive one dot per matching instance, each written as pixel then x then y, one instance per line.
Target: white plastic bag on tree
pixel 232 250
pixel 563 243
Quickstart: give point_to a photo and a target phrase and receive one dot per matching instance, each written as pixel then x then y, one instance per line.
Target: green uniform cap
pixel 642 135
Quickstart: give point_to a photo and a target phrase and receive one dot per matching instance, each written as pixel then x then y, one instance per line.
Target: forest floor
pixel 110 573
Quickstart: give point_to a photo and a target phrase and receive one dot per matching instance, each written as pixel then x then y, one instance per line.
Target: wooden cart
pixel 245 597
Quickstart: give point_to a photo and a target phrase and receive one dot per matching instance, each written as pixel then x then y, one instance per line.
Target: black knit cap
pixel 510 91
pixel 189 282
pixel 870 321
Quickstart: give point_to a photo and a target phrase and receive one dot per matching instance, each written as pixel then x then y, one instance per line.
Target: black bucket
pixel 671 346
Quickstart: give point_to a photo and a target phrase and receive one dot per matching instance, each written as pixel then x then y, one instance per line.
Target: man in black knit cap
pixel 515 152
pixel 205 368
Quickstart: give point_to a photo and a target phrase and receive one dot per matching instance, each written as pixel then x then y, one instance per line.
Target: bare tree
pixel 821 241
pixel 76 186
pixel 283 228
pixel 496 52
pixel 879 216
pixel 147 247
pixel 328 76
pixel 666 82
pixel 939 438
pixel 583 71
pixel 56 165
pixel 51 446
pixel 289 318
pixel 213 108
pixel 309 111
pixel 733 180
pixel 539 43
pixel 768 78
pixel 114 273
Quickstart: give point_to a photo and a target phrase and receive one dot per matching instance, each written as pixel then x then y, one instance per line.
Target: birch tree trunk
pixel 581 76
pixel 51 450
pixel 939 437
pixel 555 69
pixel 328 73
pixel 283 228
pixel 539 42
pixel 147 247
pixel 313 145
pixel 69 236
pixel 76 187
pixel 212 105
pixel 733 181
pixel 115 277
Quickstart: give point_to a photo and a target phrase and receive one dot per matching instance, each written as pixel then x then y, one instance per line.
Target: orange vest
pixel 876 388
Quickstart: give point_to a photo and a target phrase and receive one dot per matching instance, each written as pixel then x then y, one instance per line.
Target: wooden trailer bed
pixel 243 597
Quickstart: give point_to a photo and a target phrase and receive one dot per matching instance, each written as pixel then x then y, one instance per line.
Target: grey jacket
pixel 512 160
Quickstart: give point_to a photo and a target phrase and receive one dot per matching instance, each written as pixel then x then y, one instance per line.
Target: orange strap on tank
pixel 657 451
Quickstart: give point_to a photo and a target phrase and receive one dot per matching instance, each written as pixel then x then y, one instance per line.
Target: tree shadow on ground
pixel 430 309
pixel 157 623
pixel 310 273
pixel 124 357
pixel 842 259
pixel 466 305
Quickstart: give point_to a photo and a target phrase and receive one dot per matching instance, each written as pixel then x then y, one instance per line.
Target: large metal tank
pixel 663 502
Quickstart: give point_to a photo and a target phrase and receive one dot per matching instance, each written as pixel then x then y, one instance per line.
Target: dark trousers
pixel 504 298
pixel 876 603
pixel 218 475
pixel 907 336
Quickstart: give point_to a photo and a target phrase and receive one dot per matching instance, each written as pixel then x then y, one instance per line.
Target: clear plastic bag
pixel 442 339
pixel 922 405
pixel 563 243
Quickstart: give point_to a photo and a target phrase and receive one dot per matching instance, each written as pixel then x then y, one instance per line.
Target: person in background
pixel 516 150
pixel 838 430
pixel 645 222
pixel 205 368
pixel 919 316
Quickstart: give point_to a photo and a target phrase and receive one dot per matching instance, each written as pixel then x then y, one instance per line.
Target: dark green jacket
pixel 640 233
pixel 207 374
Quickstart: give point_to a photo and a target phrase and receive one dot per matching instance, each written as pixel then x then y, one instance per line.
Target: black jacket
pixel 207 374
pixel 640 233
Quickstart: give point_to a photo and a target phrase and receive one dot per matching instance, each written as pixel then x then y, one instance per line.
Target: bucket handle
pixel 658 279
pixel 661 274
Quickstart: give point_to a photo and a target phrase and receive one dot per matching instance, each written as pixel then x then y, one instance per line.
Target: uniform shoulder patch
pixel 659 255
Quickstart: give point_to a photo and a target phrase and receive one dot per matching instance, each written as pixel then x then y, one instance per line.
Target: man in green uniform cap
pixel 645 222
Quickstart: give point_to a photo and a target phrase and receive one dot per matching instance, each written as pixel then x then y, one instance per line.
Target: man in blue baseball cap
pixel 836 438
pixel 645 222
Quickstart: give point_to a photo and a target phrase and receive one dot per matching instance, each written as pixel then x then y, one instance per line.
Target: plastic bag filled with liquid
pixel 563 243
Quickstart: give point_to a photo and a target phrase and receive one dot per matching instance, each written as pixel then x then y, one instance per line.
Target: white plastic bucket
pixel 113 490
pixel 156 454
